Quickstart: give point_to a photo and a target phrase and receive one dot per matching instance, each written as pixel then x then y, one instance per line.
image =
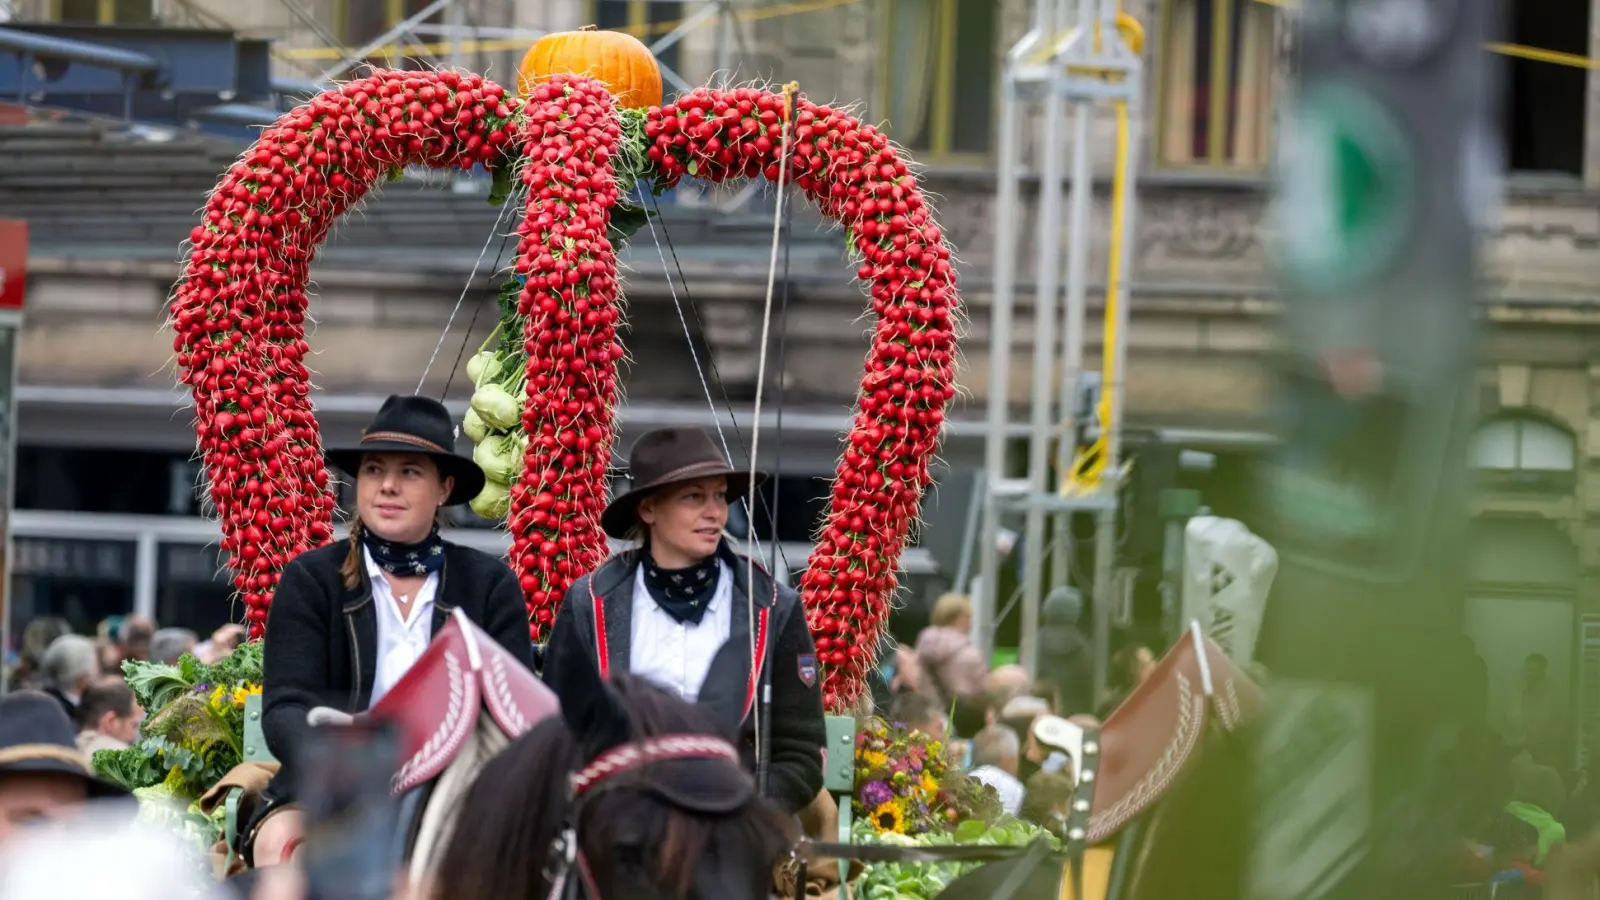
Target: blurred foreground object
pixel 1387 178
pixel 128 862
pixel 1227 576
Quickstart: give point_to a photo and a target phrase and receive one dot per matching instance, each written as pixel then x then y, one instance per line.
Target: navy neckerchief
pixel 425 557
pixel 683 594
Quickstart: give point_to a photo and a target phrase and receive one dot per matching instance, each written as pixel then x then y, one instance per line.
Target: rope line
pixel 688 336
pixel 506 207
pixel 751 506
pixel 466 337
pixel 783 369
pixel 761 376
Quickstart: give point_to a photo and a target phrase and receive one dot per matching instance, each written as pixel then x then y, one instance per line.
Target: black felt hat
pixel 411 424
pixel 37 736
pixel 668 456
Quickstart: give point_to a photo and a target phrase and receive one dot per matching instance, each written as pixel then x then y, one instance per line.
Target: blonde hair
pixel 350 569
pixel 949 609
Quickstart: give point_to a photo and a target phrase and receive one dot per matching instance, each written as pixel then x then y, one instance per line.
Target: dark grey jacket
pixel 798 733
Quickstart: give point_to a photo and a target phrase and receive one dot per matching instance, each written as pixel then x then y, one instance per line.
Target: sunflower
pixel 889 818
pixel 242 692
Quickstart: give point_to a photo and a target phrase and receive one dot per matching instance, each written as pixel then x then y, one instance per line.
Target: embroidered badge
pixel 808 670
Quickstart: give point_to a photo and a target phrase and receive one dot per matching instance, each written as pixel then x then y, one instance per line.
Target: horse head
pixel 635 793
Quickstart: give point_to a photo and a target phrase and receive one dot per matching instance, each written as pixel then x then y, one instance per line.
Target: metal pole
pixel 146 574
pixel 1048 285
pixel 305 18
pixel 458 28
pixel 8 446
pixel 725 44
pixel 1130 215
pixel 354 59
pixel 1000 312
pixel 684 27
pixel 1079 205
pixel 1105 546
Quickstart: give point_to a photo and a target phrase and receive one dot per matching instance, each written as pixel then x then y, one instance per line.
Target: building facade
pixel 1203 299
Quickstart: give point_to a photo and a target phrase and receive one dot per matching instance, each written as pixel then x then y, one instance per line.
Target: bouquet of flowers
pixel 192 735
pixel 906 783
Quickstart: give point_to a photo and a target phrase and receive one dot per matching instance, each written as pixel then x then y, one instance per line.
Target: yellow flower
pixel 243 692
pixel 929 785
pixel 220 698
pixel 889 818
pixel 874 759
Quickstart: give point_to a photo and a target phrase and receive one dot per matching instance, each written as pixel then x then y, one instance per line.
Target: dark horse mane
pixel 646 835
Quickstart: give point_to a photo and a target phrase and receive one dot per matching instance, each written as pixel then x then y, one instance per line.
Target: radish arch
pixel 239 318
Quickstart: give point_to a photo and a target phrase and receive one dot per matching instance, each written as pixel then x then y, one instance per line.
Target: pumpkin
pixel 619 61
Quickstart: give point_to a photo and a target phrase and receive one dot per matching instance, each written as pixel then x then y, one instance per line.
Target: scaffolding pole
pixel 1072 58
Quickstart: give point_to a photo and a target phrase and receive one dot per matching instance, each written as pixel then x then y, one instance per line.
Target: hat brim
pixel 98 788
pixel 622 514
pixel 469 479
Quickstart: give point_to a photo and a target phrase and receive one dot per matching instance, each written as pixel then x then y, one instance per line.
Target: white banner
pixel 1227 574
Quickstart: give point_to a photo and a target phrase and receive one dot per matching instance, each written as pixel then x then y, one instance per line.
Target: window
pixel 1215 69
pixel 937 75
pixel 1523 444
pixel 1523 452
pixel 647 20
pixel 106 12
pixel 1545 102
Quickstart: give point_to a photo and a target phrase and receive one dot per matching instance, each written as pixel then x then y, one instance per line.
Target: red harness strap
pixel 601 651
pixel 636 755
pixel 603 656
pixel 755 664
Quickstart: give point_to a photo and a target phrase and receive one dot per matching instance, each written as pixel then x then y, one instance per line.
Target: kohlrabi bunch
pixel 494 423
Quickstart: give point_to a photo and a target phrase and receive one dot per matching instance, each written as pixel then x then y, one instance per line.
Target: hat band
pixel 403 438
pixel 36 752
pixel 690 470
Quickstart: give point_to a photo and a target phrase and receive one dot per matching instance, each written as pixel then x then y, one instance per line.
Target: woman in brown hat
pixel 349 620
pixel 662 611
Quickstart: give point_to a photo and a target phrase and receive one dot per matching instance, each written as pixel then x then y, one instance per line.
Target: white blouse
pixel 677 655
pixel 401 641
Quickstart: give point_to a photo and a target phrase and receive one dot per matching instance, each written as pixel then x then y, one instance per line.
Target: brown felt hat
pixel 669 456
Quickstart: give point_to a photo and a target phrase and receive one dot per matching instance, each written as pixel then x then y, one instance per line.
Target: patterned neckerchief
pixel 683 594
pixel 425 557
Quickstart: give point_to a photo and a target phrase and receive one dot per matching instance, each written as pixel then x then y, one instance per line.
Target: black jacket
pixel 322 638
pixel 798 732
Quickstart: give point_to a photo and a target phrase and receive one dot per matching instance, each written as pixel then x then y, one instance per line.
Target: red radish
pixel 239 320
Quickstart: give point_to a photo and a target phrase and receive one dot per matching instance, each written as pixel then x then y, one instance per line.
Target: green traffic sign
pixel 1348 199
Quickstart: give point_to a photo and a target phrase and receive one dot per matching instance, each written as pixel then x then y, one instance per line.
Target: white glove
pixel 327 715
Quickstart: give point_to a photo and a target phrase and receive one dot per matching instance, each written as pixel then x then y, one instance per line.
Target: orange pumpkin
pixel 619 61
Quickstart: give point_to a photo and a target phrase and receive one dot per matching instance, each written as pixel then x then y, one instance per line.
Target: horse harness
pixel 566 869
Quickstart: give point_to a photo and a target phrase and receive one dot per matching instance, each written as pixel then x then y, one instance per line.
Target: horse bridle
pixel 565 853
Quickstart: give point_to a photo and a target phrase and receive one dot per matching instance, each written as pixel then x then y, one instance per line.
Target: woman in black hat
pixel 662 611
pixel 348 620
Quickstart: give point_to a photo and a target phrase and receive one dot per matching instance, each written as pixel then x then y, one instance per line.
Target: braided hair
pixel 350 569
